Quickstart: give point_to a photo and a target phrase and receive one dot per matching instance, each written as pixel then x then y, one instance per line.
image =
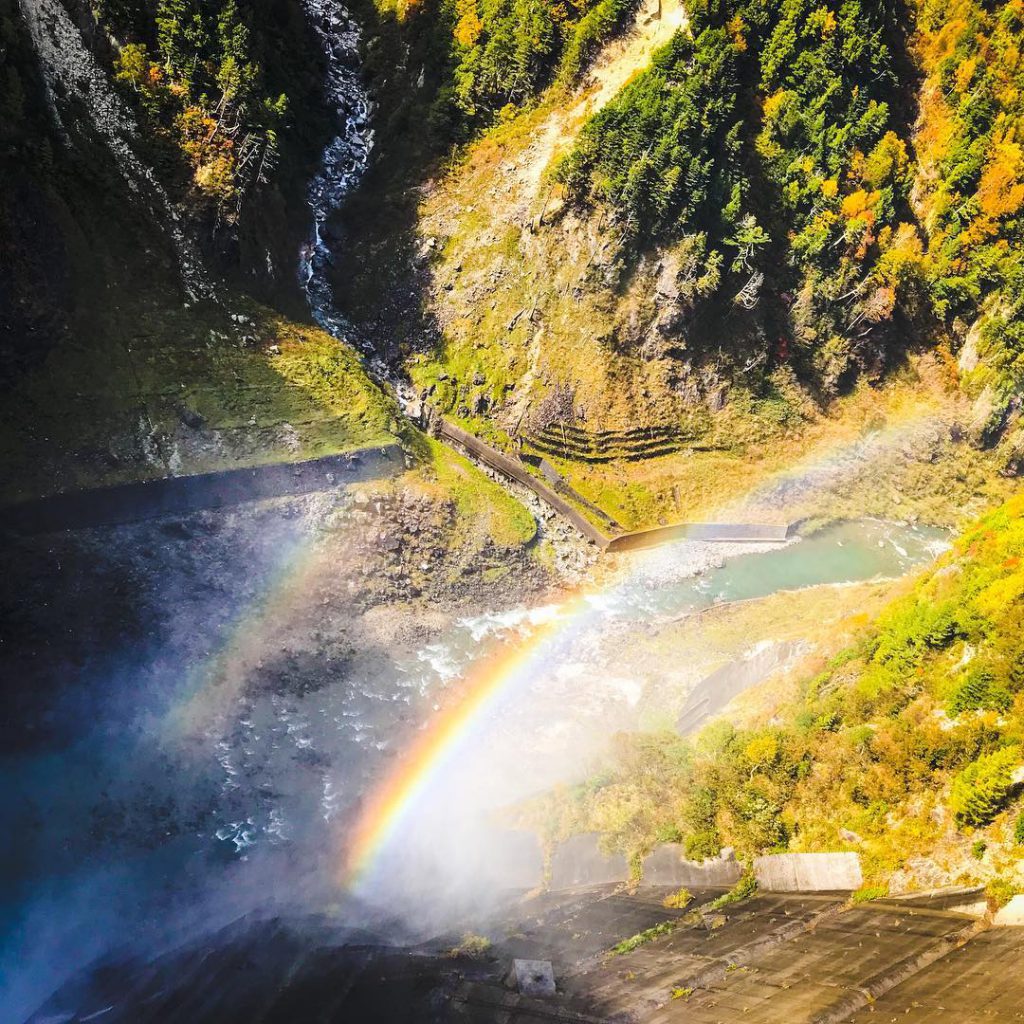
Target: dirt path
pixel 620 60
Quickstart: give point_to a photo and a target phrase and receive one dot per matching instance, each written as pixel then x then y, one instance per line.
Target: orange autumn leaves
pixel 971 57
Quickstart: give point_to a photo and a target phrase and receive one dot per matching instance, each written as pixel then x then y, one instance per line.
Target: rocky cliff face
pixel 83 104
pixel 100 201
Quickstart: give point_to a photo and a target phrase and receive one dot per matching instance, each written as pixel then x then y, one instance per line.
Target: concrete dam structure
pixel 776 958
pixel 565 501
pixel 180 495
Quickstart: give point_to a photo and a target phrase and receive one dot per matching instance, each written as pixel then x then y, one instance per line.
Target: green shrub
pixel 743 889
pixel 1000 891
pixel 978 690
pixel 472 945
pixel 981 790
pixel 1018 830
pixel 870 892
pixel 647 935
pixel 678 900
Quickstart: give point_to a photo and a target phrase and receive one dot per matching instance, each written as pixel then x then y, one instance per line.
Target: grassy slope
pixel 675 656
pixel 173 390
pixel 170 391
pixel 869 754
pixel 893 451
pixel 495 266
pixel 485 508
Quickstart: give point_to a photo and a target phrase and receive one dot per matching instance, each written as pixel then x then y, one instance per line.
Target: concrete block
pixel 534 977
pixel 578 861
pixel 808 872
pixel 666 865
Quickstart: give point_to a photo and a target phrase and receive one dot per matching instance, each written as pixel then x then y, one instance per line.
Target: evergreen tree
pixel 981 790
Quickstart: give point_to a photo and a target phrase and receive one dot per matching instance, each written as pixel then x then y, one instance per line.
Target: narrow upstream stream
pixel 344 159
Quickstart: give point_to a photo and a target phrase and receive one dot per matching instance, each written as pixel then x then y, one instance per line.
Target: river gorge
pixel 255 702
pixel 304 691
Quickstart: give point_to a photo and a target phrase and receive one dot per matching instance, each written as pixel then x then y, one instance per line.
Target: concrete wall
pixel 666 865
pixel 512 469
pixel 125 503
pixel 1012 915
pixel 578 861
pixel 719 532
pixel 808 872
pixel 713 692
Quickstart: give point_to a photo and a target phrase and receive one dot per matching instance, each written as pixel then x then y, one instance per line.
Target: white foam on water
pixel 344 159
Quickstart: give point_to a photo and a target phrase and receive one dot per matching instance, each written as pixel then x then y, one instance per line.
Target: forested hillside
pixel 476 63
pixel 765 135
pixel 970 179
pixel 782 196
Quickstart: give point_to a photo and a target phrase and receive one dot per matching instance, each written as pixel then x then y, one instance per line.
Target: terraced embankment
pixel 714 532
pixel 565 441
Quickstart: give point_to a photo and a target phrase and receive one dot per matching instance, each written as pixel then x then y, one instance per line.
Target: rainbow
pixel 488 682
pixel 494 678
pixel 212 684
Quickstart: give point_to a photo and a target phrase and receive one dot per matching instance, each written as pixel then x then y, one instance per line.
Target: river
pixel 344 159
pixel 165 804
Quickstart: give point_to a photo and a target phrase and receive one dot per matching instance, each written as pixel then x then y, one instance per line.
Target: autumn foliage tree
pixel 971 175
pixel 191 69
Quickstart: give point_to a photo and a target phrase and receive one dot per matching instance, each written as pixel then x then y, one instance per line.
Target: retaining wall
pixel 715 691
pixel 718 532
pixel 124 503
pixel 503 464
pixel 1012 915
pixel 808 872
pixel 714 532
pixel 578 861
pixel 666 865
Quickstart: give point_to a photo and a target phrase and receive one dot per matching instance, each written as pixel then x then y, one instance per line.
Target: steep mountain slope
pixel 152 169
pixel 741 211
pixel 139 360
